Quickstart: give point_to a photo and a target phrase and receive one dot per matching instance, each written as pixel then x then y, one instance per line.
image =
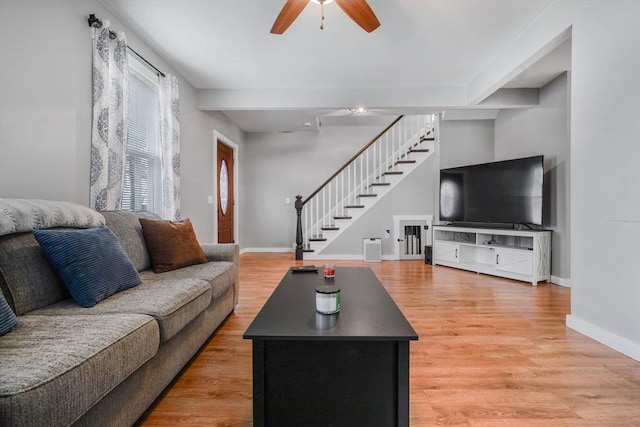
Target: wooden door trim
pixel 219 137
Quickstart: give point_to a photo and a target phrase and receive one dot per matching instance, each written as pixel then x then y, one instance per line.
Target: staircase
pixel 364 180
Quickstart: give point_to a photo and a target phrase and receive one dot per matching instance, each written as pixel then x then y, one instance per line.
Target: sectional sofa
pixel 65 364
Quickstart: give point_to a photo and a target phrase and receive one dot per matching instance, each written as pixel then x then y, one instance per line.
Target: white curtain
pixel 109 129
pixel 170 142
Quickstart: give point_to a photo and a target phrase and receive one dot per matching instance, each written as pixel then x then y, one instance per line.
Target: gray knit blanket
pixel 21 215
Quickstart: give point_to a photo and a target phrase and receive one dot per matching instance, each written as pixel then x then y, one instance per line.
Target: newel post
pixel 299 248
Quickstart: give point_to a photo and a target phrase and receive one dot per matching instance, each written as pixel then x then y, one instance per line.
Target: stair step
pixel 354 206
pixel 380 184
pixel 318 239
pixel 368 195
pixel 418 150
pixel 393 173
pixel 308 250
pixel 342 217
pixel 405 162
pixel 329 228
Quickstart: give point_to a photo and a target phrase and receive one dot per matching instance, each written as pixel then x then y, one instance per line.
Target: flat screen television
pixel 504 192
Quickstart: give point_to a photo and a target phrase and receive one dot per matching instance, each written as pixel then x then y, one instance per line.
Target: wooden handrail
pixel 355 156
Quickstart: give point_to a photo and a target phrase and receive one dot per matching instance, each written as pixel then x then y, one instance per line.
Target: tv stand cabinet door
pixel 514 261
pixel 446 252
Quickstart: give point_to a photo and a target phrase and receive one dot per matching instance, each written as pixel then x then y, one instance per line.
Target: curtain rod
pixel 97 23
pixel 144 59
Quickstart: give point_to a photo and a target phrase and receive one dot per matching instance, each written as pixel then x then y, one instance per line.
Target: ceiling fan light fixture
pixel 322 3
pixel 359 110
pixel 358 10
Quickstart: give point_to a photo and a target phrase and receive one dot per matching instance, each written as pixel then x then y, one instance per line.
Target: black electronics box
pixel 428 255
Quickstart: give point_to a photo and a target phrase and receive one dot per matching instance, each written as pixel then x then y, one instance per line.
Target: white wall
pixel 605 154
pixel 45 108
pixel 544 130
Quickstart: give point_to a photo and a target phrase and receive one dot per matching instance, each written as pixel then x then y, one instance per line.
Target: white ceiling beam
pixel 283 99
pixel 513 98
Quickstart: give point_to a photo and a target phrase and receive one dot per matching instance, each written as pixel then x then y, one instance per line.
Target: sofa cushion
pixel 219 275
pixel 126 226
pixel 22 215
pixel 171 245
pixel 173 303
pixel 28 280
pixel 54 368
pixel 91 262
pixel 8 320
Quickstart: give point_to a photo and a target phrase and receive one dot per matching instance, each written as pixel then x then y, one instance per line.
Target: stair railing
pixel 352 182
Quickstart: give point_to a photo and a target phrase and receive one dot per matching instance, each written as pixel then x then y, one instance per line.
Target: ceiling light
pixel 322 3
pixel 359 110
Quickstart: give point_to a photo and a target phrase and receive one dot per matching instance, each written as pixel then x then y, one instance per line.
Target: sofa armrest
pixel 226 252
pixel 222 252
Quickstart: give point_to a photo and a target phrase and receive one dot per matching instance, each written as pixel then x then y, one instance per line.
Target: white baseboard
pixel 344 257
pixel 334 257
pixel 245 250
pixel 560 281
pixel 616 342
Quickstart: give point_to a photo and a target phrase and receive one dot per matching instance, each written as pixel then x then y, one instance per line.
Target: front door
pixel 225 194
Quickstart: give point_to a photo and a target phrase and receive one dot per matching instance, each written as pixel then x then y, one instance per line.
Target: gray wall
pixel 45 104
pixel 466 142
pixel 522 133
pixel 544 130
pixel 605 177
pixel 605 154
pixel 280 165
pixel 461 142
pixel 414 195
pixel 276 166
pixel 45 108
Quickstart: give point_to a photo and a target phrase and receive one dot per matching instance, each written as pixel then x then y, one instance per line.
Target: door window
pixel 224 187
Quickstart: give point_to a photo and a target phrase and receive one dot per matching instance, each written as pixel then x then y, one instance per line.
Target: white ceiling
pixel 225 46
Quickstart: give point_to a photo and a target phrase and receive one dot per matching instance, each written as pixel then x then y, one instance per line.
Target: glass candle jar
pixel 329 271
pixel 327 299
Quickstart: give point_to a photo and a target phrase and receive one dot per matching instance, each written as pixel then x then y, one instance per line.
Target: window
pixel 143 165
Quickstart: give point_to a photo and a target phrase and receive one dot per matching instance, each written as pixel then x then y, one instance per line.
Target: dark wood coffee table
pixel 344 369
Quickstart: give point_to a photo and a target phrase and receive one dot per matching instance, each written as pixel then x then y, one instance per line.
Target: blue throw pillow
pixel 91 262
pixel 8 319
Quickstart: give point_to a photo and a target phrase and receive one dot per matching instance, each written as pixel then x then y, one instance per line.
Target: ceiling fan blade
pixel 288 14
pixel 361 13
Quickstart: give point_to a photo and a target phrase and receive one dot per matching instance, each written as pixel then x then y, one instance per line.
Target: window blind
pixel 143 172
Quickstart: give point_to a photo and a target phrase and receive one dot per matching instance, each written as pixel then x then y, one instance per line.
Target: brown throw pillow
pixel 171 245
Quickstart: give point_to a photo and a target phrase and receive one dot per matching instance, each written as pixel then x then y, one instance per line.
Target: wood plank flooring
pixel 492 352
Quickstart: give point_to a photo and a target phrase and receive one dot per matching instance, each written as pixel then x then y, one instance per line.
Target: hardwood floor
pixel 492 352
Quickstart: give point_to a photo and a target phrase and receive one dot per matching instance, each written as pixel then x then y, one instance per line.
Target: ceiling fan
pixel 358 10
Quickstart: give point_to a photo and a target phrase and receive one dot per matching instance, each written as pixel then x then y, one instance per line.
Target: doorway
pixel 225 198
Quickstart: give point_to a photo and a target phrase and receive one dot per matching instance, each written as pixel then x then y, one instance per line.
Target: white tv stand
pixel 521 255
